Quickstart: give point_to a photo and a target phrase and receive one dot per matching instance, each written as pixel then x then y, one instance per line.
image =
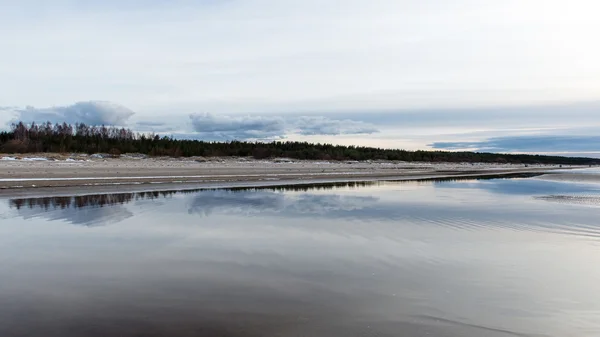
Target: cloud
pixel 7 116
pixel 90 112
pixel 150 124
pixel 154 127
pixel 211 127
pixel 529 143
pixel 399 54
pixel 319 125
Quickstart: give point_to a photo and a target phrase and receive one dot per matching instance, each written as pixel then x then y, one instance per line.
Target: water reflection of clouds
pixel 273 202
pixel 87 210
pixel 93 210
pixel 209 202
pixel 85 216
pixel 424 206
pixel 436 202
pixel 316 268
pixel 328 203
pixel 521 186
pixel 432 204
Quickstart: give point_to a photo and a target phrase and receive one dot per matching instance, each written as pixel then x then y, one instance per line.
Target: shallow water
pixel 448 258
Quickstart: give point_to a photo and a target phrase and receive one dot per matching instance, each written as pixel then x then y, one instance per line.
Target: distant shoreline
pixel 43 177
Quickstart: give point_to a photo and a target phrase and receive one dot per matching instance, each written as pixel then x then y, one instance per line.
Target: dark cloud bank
pixel 246 127
pixel 212 127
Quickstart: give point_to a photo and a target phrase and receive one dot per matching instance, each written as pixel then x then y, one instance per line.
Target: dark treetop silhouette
pixel 82 138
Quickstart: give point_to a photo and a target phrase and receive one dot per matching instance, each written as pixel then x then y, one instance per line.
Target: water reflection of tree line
pixel 95 200
pixel 308 187
pixel 101 200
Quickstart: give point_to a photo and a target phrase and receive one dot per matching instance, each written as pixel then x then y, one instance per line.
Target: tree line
pixel 82 138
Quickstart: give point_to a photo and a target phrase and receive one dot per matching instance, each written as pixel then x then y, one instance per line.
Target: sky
pixel 502 76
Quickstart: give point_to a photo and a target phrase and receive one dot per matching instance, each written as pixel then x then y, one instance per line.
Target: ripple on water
pixel 587 200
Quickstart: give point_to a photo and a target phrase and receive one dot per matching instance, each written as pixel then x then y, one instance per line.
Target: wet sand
pixel 24 176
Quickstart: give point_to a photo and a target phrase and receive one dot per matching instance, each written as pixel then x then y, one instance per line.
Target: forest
pixel 81 138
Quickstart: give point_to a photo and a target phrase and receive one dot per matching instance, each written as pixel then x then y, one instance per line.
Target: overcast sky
pixel 506 75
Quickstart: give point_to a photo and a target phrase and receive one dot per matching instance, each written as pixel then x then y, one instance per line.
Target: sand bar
pixel 19 175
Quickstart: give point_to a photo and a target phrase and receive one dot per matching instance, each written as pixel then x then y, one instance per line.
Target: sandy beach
pixel 49 172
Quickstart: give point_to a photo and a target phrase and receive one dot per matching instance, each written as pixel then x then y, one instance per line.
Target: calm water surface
pixel 471 258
